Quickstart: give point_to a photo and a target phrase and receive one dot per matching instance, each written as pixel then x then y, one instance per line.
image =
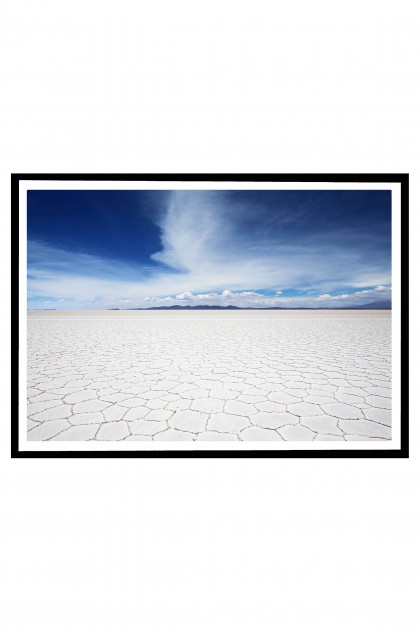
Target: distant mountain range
pixel 380 305
pixel 178 307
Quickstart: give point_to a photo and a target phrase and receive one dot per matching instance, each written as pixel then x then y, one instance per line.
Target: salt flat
pixel 209 375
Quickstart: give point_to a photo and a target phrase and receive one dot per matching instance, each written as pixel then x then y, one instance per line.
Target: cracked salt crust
pixel 112 376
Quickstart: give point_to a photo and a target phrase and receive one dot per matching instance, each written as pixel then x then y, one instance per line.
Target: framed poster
pixel 210 315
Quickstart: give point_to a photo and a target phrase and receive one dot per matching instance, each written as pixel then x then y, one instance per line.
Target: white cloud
pixel 241 298
pixel 184 296
pixel 201 237
pixel 193 230
pixel 254 299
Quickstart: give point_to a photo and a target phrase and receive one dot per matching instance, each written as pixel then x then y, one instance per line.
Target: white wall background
pixel 222 86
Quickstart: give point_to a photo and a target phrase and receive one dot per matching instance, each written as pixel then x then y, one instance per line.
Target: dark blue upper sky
pixel 114 224
pixel 134 246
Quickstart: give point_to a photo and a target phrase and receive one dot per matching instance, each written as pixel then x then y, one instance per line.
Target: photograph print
pixel 210 316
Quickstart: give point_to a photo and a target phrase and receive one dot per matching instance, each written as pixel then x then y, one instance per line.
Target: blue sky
pixel 127 249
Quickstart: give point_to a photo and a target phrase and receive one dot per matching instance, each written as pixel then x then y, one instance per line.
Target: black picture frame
pixel 402 179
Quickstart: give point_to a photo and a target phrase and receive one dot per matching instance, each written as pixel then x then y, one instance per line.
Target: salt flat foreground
pixel 209 375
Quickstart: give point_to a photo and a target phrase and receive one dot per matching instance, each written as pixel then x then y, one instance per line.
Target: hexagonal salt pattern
pixel 209 376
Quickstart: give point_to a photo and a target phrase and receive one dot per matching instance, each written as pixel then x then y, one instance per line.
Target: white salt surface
pixel 209 375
